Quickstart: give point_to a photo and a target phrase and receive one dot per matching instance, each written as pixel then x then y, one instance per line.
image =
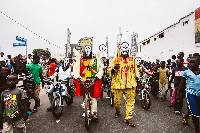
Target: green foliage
pixel 41 52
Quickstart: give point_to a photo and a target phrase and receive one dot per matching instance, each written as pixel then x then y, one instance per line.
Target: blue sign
pixel 20 39
pixel 19 44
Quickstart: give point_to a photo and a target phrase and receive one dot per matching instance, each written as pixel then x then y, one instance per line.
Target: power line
pixel 29 29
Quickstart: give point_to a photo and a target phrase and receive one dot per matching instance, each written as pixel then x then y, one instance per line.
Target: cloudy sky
pixel 49 20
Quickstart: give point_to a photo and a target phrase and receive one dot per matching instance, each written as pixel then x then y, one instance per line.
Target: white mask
pixel 88 50
pixel 124 48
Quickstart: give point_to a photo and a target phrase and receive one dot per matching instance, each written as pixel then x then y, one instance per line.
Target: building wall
pixel 178 37
pixel 59 56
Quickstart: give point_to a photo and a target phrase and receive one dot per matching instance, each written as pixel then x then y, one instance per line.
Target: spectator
pixel 191 78
pixel 36 71
pixel 14 106
pixel 163 80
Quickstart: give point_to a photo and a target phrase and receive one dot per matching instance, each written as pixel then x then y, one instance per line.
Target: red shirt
pixel 52 69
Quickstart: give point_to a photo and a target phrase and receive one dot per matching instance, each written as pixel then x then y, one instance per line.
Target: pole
pixel 107 46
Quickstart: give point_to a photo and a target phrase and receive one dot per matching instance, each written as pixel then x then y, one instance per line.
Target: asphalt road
pixel 158 119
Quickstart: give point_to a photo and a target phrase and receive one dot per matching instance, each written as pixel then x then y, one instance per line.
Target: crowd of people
pixel 20 79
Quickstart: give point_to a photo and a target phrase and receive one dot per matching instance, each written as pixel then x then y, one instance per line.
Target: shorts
pixel 36 91
pixel 20 124
pixel 193 104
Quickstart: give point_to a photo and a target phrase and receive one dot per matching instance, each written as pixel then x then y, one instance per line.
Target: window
pixel 143 43
pixel 186 22
pixel 148 41
pixel 161 35
pixel 140 48
pixel 154 39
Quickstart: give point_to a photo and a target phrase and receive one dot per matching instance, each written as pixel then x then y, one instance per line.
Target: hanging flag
pixel 197 26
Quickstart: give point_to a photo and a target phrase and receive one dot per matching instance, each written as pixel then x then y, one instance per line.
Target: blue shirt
pixel 192 82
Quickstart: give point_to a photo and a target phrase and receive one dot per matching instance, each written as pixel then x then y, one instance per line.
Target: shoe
pixel 49 108
pixel 170 105
pixel 165 99
pixel 28 112
pixel 131 124
pixel 161 99
pixel 185 121
pixel 34 110
pixel 83 115
pixel 177 112
pixel 94 116
pixel 116 114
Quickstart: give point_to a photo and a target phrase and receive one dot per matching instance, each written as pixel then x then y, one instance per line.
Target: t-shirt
pixel 21 78
pixel 155 76
pixel 163 77
pixel 178 74
pixel 35 70
pixel 2 82
pixel 12 103
pixel 52 69
pixel 192 82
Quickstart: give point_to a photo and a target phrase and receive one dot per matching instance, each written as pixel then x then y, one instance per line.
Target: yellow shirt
pixel 163 75
pixel 124 77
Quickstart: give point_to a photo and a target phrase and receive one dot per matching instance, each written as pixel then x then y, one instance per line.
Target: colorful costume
pixel 123 82
pixel 87 68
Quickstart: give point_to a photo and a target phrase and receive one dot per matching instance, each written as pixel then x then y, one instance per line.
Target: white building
pixel 59 56
pixel 179 37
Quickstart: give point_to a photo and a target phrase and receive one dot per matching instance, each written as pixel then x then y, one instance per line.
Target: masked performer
pixel 124 72
pixel 86 69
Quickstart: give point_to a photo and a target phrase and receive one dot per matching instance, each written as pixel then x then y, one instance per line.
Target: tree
pixel 41 52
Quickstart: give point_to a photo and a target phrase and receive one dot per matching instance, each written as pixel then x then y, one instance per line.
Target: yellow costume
pixel 123 82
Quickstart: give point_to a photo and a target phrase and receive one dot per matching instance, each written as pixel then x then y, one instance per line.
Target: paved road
pixel 158 119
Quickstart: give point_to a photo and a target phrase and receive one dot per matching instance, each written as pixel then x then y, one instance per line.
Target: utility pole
pixel 119 36
pixel 68 48
pixel 107 46
pixel 133 50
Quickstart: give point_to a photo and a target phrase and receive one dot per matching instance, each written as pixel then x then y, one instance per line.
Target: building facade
pixel 179 37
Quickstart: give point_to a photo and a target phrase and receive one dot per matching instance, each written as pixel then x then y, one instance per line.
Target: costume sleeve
pixel 76 68
pixel 100 72
pixel 111 65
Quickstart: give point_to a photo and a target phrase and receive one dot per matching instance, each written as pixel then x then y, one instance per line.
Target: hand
pixel 117 66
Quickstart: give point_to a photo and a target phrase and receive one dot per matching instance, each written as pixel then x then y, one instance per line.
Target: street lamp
pixel 133 50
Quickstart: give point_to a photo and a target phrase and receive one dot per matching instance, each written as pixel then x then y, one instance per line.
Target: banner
pixel 197 26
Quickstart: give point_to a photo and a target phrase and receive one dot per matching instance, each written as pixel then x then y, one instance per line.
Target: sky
pixel 49 19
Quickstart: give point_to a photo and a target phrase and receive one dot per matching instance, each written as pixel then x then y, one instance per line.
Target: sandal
pixel 131 124
pixel 185 121
pixel 170 105
pixel 116 114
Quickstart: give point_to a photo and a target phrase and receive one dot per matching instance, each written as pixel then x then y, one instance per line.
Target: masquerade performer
pixel 124 72
pixel 86 69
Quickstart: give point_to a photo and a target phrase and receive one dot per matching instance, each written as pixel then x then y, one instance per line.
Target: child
pixel 14 106
pixel 2 88
pixel 163 80
pixel 155 84
pixel 176 75
pixel 191 78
